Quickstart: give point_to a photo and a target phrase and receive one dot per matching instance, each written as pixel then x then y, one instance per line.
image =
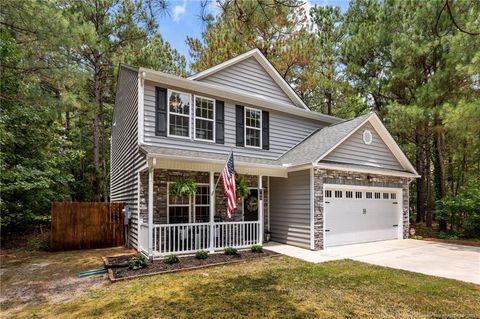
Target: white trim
pixel 189 137
pixel 268 67
pixel 141 107
pixel 312 209
pixel 203 119
pixel 268 202
pixel 236 95
pixel 251 127
pixel 139 183
pixel 368 170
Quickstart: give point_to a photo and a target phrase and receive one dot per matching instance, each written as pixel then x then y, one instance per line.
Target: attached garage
pixel 357 214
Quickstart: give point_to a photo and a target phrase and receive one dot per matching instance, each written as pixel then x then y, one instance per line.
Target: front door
pixel 250 206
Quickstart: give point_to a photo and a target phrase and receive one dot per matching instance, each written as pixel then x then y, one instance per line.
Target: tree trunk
pixel 439 165
pixel 329 102
pixel 96 131
pixel 420 164
pixel 429 215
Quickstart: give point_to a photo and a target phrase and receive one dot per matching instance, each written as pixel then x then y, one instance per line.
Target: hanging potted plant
pixel 183 187
pixel 241 188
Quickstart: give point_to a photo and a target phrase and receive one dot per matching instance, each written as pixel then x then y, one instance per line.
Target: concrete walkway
pixel 426 257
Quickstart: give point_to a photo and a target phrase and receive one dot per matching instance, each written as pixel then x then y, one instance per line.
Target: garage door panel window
pixel 338 194
pixel 385 195
pixel 328 194
pixel 358 194
pixel 377 195
pixel 349 194
pixel 368 195
pixel 393 196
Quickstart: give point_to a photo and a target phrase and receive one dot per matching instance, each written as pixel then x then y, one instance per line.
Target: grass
pixel 280 287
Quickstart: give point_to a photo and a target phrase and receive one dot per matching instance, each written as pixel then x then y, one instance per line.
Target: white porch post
pixel 150 211
pixel 260 209
pixel 212 210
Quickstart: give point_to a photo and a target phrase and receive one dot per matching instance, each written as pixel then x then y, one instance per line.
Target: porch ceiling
pixel 168 158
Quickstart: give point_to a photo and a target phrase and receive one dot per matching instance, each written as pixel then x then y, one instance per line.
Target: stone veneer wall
pixel 323 176
pixel 163 176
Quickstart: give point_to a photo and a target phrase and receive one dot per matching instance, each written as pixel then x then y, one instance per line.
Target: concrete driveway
pixel 426 257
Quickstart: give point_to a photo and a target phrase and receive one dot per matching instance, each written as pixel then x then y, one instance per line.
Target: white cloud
pixel 178 11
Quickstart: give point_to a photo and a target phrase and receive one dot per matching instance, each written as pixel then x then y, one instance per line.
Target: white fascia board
pixel 367 170
pixel 391 143
pixel 140 105
pixel 279 80
pixel 235 95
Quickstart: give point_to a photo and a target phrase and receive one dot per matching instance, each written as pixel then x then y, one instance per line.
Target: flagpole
pixel 218 179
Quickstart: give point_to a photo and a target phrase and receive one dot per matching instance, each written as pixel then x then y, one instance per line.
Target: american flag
pixel 228 176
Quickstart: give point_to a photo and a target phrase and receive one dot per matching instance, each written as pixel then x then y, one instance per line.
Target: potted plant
pixel 183 187
pixel 242 189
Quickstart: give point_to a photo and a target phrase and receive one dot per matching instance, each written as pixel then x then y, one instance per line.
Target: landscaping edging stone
pixel 112 278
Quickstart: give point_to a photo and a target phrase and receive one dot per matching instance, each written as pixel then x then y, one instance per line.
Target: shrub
pixel 137 262
pixel 230 251
pixel 257 249
pixel 201 254
pixel 418 237
pixel 172 259
pixel 461 212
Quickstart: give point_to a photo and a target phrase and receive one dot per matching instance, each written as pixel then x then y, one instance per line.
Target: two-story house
pixel 316 180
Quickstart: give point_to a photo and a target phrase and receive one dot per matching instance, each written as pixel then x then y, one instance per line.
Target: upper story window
pixel 204 118
pixel 179 114
pixel 253 127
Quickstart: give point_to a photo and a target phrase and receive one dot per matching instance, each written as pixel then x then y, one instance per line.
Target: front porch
pixel 180 225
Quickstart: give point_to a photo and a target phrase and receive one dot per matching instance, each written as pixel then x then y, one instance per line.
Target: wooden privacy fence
pixel 77 225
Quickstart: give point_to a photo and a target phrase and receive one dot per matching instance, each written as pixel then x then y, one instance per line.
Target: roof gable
pixel 253 73
pixel 343 143
pixel 354 150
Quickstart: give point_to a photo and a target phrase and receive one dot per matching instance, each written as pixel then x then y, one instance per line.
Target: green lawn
pixel 279 287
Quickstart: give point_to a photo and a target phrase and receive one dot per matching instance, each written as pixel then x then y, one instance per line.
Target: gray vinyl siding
pixel 249 76
pixel 126 158
pixel 290 209
pixel 286 131
pixel 355 151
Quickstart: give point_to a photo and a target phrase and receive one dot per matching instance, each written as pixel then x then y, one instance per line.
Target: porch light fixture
pixel 370 178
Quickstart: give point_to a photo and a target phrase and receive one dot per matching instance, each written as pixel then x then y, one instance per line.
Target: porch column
pixel 260 209
pixel 150 211
pixel 212 210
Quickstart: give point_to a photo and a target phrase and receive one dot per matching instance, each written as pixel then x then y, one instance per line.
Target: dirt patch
pixel 465 242
pixel 48 277
pixel 187 262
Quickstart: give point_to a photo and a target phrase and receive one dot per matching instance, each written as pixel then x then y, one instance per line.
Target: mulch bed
pixel 117 269
pixel 465 242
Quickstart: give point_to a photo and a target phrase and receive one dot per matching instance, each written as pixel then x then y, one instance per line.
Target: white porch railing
pixel 188 238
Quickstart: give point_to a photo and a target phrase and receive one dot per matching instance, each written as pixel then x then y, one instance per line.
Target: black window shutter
pixel 160 111
pixel 219 122
pixel 239 118
pixel 265 130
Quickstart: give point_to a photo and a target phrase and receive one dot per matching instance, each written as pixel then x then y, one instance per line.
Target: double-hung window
pixel 204 118
pixel 253 127
pixel 178 208
pixel 202 204
pixel 179 114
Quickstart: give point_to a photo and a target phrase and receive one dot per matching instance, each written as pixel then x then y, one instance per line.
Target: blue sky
pixel 183 20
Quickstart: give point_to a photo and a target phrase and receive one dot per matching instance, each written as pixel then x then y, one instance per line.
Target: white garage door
pixel 361 214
